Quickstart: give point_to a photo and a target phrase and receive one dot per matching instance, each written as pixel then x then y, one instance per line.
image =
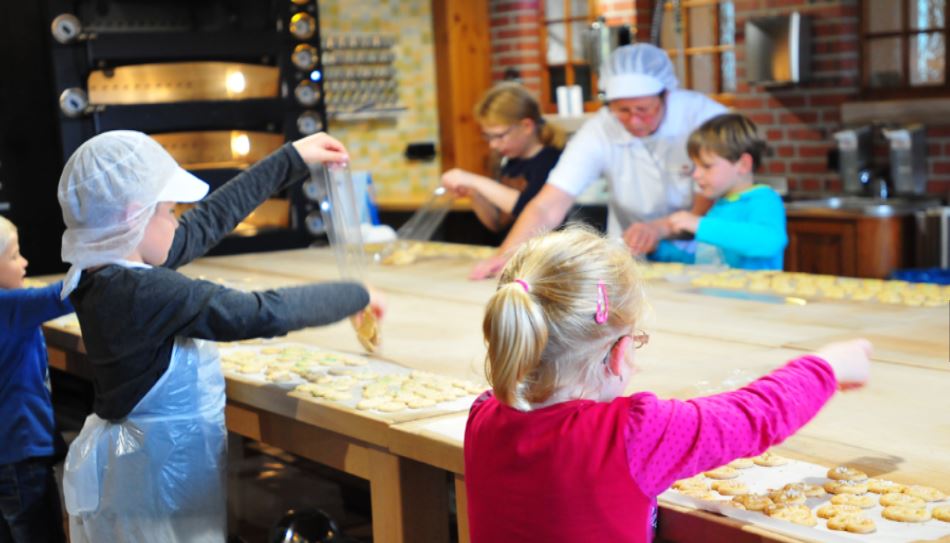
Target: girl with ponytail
pixel 556 451
pixel 529 147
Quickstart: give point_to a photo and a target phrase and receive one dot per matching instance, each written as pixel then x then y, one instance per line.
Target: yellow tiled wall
pixel 379 145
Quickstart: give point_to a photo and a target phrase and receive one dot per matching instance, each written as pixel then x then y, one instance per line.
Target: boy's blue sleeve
pixel 761 233
pixel 25 308
pixel 674 251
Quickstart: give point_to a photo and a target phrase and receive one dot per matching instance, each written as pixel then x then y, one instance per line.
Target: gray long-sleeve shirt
pixel 130 316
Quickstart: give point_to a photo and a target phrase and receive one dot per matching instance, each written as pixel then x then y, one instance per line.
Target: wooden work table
pixel 895 427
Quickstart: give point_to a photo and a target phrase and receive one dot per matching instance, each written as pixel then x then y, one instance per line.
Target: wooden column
pixel 463 74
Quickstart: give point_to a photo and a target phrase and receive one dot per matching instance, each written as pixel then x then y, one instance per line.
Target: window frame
pixel 548 104
pixel 906 90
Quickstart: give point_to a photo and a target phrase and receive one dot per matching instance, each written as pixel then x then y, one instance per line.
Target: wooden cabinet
pixel 841 243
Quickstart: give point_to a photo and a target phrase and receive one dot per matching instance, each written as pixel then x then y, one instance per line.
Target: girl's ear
pixel 617 356
pixel 528 124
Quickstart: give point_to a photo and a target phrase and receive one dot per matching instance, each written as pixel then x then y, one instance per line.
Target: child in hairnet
pixel 29 499
pixel 148 465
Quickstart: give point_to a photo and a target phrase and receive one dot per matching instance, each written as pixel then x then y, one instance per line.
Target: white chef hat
pixel 639 70
pixel 108 191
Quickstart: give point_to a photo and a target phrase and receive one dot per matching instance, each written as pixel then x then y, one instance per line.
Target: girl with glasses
pixel 511 122
pixel 556 451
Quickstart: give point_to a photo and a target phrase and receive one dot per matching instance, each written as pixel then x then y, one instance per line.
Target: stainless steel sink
pixel 862 205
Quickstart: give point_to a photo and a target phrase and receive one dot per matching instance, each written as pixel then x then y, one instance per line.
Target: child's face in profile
pixel 12 265
pixel 511 141
pixel 159 234
pixel 717 176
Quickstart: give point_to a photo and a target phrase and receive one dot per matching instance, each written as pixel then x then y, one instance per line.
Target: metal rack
pixel 361 79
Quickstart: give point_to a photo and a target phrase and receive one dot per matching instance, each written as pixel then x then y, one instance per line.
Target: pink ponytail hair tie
pixel 600 317
pixel 524 284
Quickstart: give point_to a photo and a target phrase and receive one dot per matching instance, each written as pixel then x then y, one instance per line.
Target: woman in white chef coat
pixel 638 144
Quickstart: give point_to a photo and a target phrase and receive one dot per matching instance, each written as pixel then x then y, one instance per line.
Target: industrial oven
pixel 219 83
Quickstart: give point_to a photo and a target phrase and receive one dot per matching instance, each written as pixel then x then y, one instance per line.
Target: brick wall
pixel 797 120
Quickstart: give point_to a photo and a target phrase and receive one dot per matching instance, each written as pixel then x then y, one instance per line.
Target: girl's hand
pixel 321 148
pixel 850 361
pixel 683 221
pixel 458 181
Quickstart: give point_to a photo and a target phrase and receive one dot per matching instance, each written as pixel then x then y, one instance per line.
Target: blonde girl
pixel 556 452
pixel 529 147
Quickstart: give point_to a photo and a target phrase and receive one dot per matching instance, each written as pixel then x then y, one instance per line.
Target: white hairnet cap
pixel 108 191
pixel 639 70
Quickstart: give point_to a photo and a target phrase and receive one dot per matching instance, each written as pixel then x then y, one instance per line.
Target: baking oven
pixel 219 83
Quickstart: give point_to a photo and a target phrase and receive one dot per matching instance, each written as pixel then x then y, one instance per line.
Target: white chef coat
pixel 649 177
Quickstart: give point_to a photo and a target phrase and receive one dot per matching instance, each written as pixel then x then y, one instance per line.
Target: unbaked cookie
pixel 844 473
pixel 741 463
pixel 788 497
pixel 941 513
pixel 701 494
pixel 883 486
pixel 926 493
pixel 770 460
pixel 809 490
pixel 730 488
pixel 697 482
pixel 832 510
pixel 858 524
pixel 846 487
pixel 799 514
pixel 902 513
pixel 864 501
pixel 906 500
pixel 753 502
pixel 722 472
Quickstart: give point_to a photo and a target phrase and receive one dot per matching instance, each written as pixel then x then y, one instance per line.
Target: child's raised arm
pixel 672 439
pixel 321 148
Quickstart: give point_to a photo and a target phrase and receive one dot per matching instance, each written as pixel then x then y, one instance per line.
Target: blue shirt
pixel 745 230
pixel 26 411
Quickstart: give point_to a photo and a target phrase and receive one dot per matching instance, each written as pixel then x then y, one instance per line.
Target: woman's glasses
pixel 490 137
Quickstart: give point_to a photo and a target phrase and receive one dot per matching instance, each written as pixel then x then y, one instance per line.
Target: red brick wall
pixel 797 120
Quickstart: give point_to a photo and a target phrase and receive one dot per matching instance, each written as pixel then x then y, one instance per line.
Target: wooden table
pixel 894 427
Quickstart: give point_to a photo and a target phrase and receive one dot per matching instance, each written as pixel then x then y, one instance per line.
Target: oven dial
pixel 304 56
pixel 73 102
pixel 309 122
pixel 313 190
pixel 302 26
pixel 307 93
pixel 66 28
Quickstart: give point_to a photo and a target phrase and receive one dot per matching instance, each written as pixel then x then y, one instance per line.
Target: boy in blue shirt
pixel 29 499
pixel 745 228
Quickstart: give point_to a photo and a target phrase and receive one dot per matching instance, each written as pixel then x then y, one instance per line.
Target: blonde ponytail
pixel 552 136
pixel 539 325
pixel 516 333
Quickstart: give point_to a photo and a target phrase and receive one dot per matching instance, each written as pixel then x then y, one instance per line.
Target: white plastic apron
pixel 159 474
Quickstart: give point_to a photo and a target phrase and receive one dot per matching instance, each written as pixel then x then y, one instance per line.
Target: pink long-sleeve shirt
pixel 590 471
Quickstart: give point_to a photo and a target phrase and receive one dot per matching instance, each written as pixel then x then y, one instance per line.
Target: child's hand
pixel 458 181
pixel 683 221
pixel 642 237
pixel 377 304
pixel 321 148
pixel 850 361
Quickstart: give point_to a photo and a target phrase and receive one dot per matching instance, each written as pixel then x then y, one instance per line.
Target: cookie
pixel 831 510
pixel 857 524
pixel 701 494
pixel 370 403
pixel 926 493
pixel 697 482
pixel 799 514
pixel 753 502
pixel 846 487
pixel 787 497
pixel 770 460
pixel 902 513
pixel 809 490
pixel 392 406
pixel 941 513
pixel 906 500
pixel 730 488
pixel 844 473
pixel 368 332
pixel 864 501
pixel 722 472
pixel 883 486
pixel 741 463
